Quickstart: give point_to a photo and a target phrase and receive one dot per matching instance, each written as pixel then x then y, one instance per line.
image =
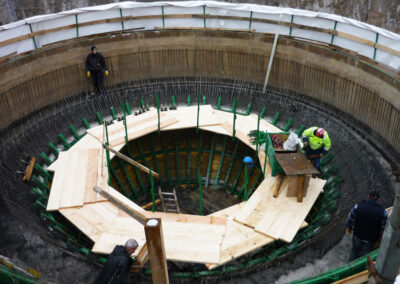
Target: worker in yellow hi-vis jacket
pixel 316 144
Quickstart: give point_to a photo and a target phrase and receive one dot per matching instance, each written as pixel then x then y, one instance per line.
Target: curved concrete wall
pixel 356 88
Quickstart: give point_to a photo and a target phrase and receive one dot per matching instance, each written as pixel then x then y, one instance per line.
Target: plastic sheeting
pixel 245 11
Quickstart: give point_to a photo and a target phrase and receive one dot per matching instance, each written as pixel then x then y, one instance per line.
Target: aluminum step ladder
pixel 169 201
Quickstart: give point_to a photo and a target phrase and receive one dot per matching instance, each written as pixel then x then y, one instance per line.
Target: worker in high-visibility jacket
pixel 316 144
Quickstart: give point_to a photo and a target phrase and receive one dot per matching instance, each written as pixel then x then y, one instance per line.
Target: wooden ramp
pixel 280 217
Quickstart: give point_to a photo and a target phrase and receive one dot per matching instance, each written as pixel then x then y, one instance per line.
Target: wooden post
pixel 300 188
pixel 278 185
pixel 155 246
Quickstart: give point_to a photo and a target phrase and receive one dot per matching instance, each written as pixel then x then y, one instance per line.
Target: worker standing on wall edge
pixel 316 143
pixel 116 269
pixel 366 221
pixel 95 64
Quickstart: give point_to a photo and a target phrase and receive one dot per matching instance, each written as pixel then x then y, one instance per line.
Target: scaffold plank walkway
pixel 212 240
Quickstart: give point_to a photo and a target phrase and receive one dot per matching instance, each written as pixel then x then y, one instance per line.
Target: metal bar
pixel 33 38
pixel 288 124
pixel 166 160
pixel 153 154
pixel 333 35
pixel 376 41
pixel 246 180
pixel 122 19
pixel 99 118
pixel 74 132
pixel 250 20
pixel 163 18
pixel 188 100
pixel 178 171
pixel 255 183
pixel 54 148
pixel 86 123
pixel 231 163
pixel 221 161
pixel 219 103
pixel 113 113
pixel 200 195
pixel 210 160
pixel 291 21
pixel 200 151
pixel 122 164
pixel 141 152
pixel 126 128
pixel 108 153
pixel 204 19
pixel 77 25
pixel 119 181
pixel 276 117
pixel 235 182
pixel 271 58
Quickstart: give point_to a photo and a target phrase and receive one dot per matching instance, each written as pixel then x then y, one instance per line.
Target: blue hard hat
pixel 248 160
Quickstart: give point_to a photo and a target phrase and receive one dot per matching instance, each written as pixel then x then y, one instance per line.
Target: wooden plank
pixel 300 188
pixel 250 213
pixel 150 204
pixel 187 218
pixel 29 170
pixel 361 277
pixel 277 185
pixel 92 219
pixel 122 202
pixel 91 176
pixel 73 191
pixel 56 187
pixel 156 247
pixel 284 215
pixel 187 117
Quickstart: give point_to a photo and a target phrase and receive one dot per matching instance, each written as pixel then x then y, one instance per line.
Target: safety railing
pixel 368 41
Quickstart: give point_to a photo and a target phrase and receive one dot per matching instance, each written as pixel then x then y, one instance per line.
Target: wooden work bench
pixel 298 169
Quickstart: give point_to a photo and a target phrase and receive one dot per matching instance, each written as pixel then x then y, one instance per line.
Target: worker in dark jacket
pixel 367 221
pixel 116 269
pixel 95 64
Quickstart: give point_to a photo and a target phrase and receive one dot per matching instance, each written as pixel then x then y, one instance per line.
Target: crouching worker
pixel 118 264
pixel 316 144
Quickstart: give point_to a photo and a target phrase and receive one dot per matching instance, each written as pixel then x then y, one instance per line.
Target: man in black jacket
pixel 367 219
pixel 95 65
pixel 116 269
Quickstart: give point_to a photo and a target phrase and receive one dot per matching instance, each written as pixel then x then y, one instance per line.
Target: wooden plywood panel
pixel 284 215
pixel 91 176
pixel 92 219
pixel 56 187
pixel 73 191
pixel 187 117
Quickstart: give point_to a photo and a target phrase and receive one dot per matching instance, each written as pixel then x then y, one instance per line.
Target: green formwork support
pixel 121 184
pixel 9 275
pixel 132 186
pixel 204 100
pixel 329 171
pixel 276 117
pixel 210 160
pixel 154 155
pixel 141 152
pixel 260 175
pixel 248 109
pixel 188 100
pixel 86 123
pixel 235 182
pixel 326 159
pixel 178 170
pixel 199 151
pixel 142 104
pixel 46 159
pixel 228 173
pixel 74 132
pixel 300 130
pixel 113 113
pixel 173 104
pixel 333 181
pixel 165 149
pixel 288 124
pixel 43 171
pixel 64 141
pixel 275 167
pixel 188 159
pixel 38 193
pixel 221 161
pixel 99 118
pixel 54 149
pixel 219 103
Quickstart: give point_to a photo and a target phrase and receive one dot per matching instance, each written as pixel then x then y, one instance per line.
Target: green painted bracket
pixel 113 113
pixel 173 104
pixel 54 149
pixel 64 141
pixel 188 100
pixel 326 159
pixel 46 159
pixel 288 124
pixel 74 132
pixel 158 112
pixel 219 103
pixel 40 184
pixel 276 117
pixel 248 109
pixel 99 118
pixel 43 171
pixel 263 112
pixel 204 100
pixel 142 104
pixel 128 108
pixel 86 123
pixel 300 130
